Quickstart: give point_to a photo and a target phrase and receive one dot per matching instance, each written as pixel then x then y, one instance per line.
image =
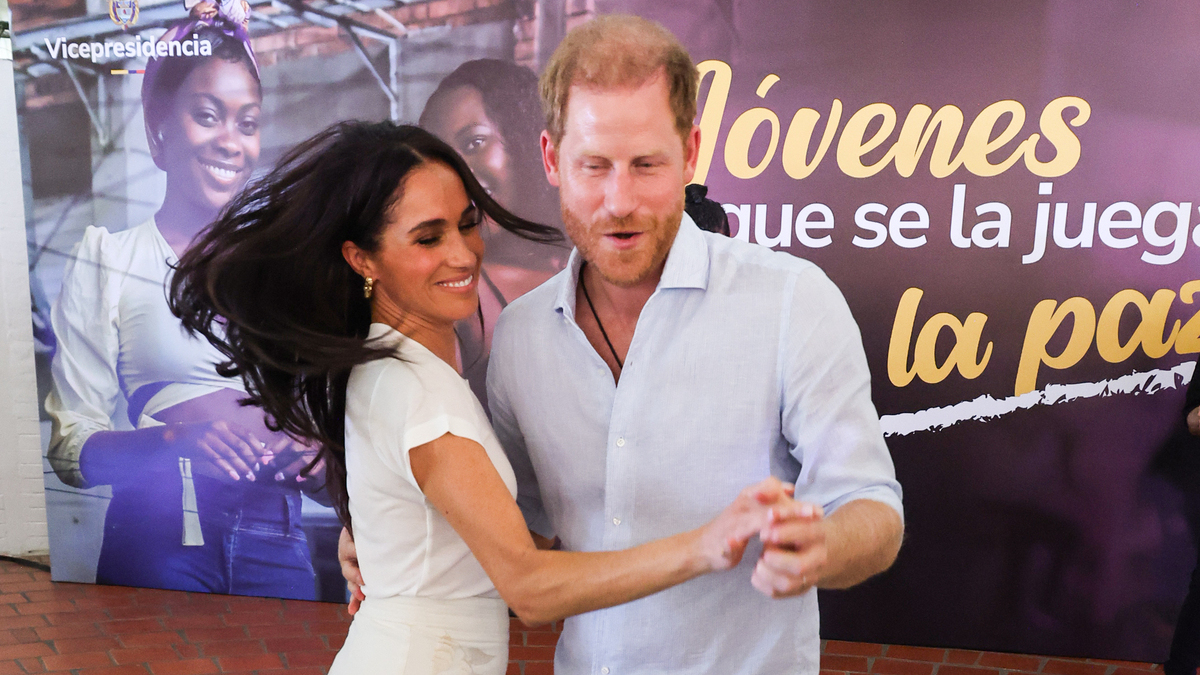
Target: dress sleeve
pixel 828 418
pixel 84 387
pixel 508 431
pixel 411 406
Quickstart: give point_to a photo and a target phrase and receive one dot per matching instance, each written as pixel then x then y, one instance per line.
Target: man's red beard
pixel 633 266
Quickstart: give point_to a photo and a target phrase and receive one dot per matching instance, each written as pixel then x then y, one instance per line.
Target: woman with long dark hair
pixel 489 111
pixel 204 496
pixel 333 287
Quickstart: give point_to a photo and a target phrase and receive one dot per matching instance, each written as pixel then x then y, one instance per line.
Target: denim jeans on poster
pixel 253 540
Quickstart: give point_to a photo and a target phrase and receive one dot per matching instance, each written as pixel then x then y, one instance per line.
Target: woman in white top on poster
pixel 333 286
pixel 204 496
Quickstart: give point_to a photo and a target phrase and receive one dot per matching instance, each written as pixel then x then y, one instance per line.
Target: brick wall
pixel 531 650
pixel 88 629
pixel 310 41
pixel 33 13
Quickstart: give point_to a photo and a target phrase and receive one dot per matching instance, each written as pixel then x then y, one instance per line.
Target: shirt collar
pixel 686 267
pixel 687 262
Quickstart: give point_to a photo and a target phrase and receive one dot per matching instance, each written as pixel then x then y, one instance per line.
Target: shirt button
pixel 621 442
pixel 604 670
pixel 616 521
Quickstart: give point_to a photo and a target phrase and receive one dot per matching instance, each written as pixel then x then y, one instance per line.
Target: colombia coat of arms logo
pixel 124 13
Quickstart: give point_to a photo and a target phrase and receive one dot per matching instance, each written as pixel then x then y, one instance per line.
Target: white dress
pixel 430 607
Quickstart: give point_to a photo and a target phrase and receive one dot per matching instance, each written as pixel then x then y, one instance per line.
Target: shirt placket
pixel 621 475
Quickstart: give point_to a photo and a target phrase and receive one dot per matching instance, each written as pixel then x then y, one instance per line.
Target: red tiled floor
pixel 82 629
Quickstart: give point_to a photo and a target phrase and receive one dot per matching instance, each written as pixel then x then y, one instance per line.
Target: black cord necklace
pixel 596 316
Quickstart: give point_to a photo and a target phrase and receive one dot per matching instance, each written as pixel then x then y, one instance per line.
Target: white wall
pixel 22 500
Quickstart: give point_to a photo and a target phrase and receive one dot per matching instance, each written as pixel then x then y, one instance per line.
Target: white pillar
pixel 22 500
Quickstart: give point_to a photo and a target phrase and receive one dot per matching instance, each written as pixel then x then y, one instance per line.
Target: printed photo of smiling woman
pixel 205 497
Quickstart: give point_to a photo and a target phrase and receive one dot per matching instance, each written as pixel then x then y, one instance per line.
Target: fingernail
pixel 278 476
pixel 250 476
pixel 300 479
pixel 234 475
pixel 268 458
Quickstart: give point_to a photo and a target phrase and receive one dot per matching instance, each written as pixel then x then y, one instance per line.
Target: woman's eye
pixel 429 241
pixel 205 118
pixel 248 127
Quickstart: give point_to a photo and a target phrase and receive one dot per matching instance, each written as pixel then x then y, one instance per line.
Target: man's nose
pixel 619 195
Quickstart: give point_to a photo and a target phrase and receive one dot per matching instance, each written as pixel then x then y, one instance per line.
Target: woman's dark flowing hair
pixel 268 286
pixel 511 100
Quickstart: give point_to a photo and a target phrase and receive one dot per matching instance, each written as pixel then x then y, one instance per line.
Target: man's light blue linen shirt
pixel 745 363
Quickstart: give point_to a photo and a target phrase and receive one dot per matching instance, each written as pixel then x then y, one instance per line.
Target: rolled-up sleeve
pixel 85 386
pixel 828 418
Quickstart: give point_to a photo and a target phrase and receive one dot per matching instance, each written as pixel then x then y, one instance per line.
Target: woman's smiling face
pixel 425 268
pixel 210 138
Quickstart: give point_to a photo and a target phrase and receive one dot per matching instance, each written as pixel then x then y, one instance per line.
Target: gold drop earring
pixel 368 287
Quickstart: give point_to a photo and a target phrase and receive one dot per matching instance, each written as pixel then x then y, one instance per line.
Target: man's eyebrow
pixel 658 155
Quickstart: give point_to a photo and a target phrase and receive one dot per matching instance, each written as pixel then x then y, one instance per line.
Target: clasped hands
pixel 792 534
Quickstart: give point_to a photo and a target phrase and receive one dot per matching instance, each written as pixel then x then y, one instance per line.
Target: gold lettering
pixel 1148 334
pixel 1065 142
pixel 1188 341
pixel 799 137
pixel 853 145
pixel 967 336
pixel 979 143
pixel 947 123
pixel 714 111
pixel 1044 322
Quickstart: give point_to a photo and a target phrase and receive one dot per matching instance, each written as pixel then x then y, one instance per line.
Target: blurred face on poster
pixel 210 138
pixel 461 120
pixel 620 167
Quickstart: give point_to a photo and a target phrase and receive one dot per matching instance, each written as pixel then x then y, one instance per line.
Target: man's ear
pixel 691 154
pixel 358 259
pixel 550 159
